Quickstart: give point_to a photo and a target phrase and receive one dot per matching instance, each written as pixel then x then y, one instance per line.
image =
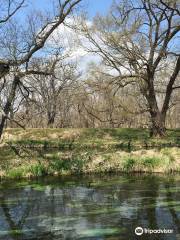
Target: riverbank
pixel 40 152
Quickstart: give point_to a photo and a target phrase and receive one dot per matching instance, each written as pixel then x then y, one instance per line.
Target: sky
pixel 91 6
pixel 100 6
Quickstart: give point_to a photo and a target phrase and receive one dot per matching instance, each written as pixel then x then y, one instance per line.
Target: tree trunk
pixel 2 124
pixel 158 125
pixel 51 119
pixel 8 104
pixel 157 117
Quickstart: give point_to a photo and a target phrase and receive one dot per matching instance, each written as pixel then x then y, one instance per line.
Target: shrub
pixel 38 170
pixel 60 164
pixel 129 163
pixel 150 162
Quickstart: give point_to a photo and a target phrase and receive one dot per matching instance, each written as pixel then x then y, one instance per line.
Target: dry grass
pixel 94 150
pixel 166 160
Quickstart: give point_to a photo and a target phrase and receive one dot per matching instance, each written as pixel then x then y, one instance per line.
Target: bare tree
pixel 138 40
pixel 19 45
pixel 8 9
pixel 47 89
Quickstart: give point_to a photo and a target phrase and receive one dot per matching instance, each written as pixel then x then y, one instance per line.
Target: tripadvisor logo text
pixel 139 231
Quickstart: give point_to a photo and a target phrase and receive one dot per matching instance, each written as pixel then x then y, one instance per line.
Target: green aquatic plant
pixel 170 190
pixel 99 232
pixel 38 187
pixel 14 233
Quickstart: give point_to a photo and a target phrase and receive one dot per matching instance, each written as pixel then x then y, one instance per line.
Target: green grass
pixel 132 163
pixel 151 162
pixel 41 152
pixel 40 136
pixel 38 170
pixel 129 163
pixel 16 173
pixel 89 139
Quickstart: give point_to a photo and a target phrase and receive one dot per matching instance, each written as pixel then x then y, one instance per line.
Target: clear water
pixel 92 207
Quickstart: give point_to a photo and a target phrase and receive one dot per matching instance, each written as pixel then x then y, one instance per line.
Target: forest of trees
pixel 132 82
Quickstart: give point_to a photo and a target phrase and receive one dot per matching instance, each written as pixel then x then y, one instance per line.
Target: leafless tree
pixel 20 44
pixel 138 40
pixel 47 89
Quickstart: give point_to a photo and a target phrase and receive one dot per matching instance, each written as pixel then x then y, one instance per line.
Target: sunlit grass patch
pixel 16 173
pixel 139 136
pixel 41 152
pixel 146 163
pixel 137 161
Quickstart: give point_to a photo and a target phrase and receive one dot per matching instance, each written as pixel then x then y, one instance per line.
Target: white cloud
pixel 73 44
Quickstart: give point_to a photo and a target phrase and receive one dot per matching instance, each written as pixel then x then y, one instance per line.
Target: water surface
pixel 92 207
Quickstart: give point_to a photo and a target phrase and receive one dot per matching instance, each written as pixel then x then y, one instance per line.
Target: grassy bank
pixel 39 152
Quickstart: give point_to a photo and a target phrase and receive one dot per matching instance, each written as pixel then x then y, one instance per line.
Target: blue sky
pixel 91 6
pixel 94 6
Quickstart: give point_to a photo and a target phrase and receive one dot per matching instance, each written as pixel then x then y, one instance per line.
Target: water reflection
pixel 104 207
